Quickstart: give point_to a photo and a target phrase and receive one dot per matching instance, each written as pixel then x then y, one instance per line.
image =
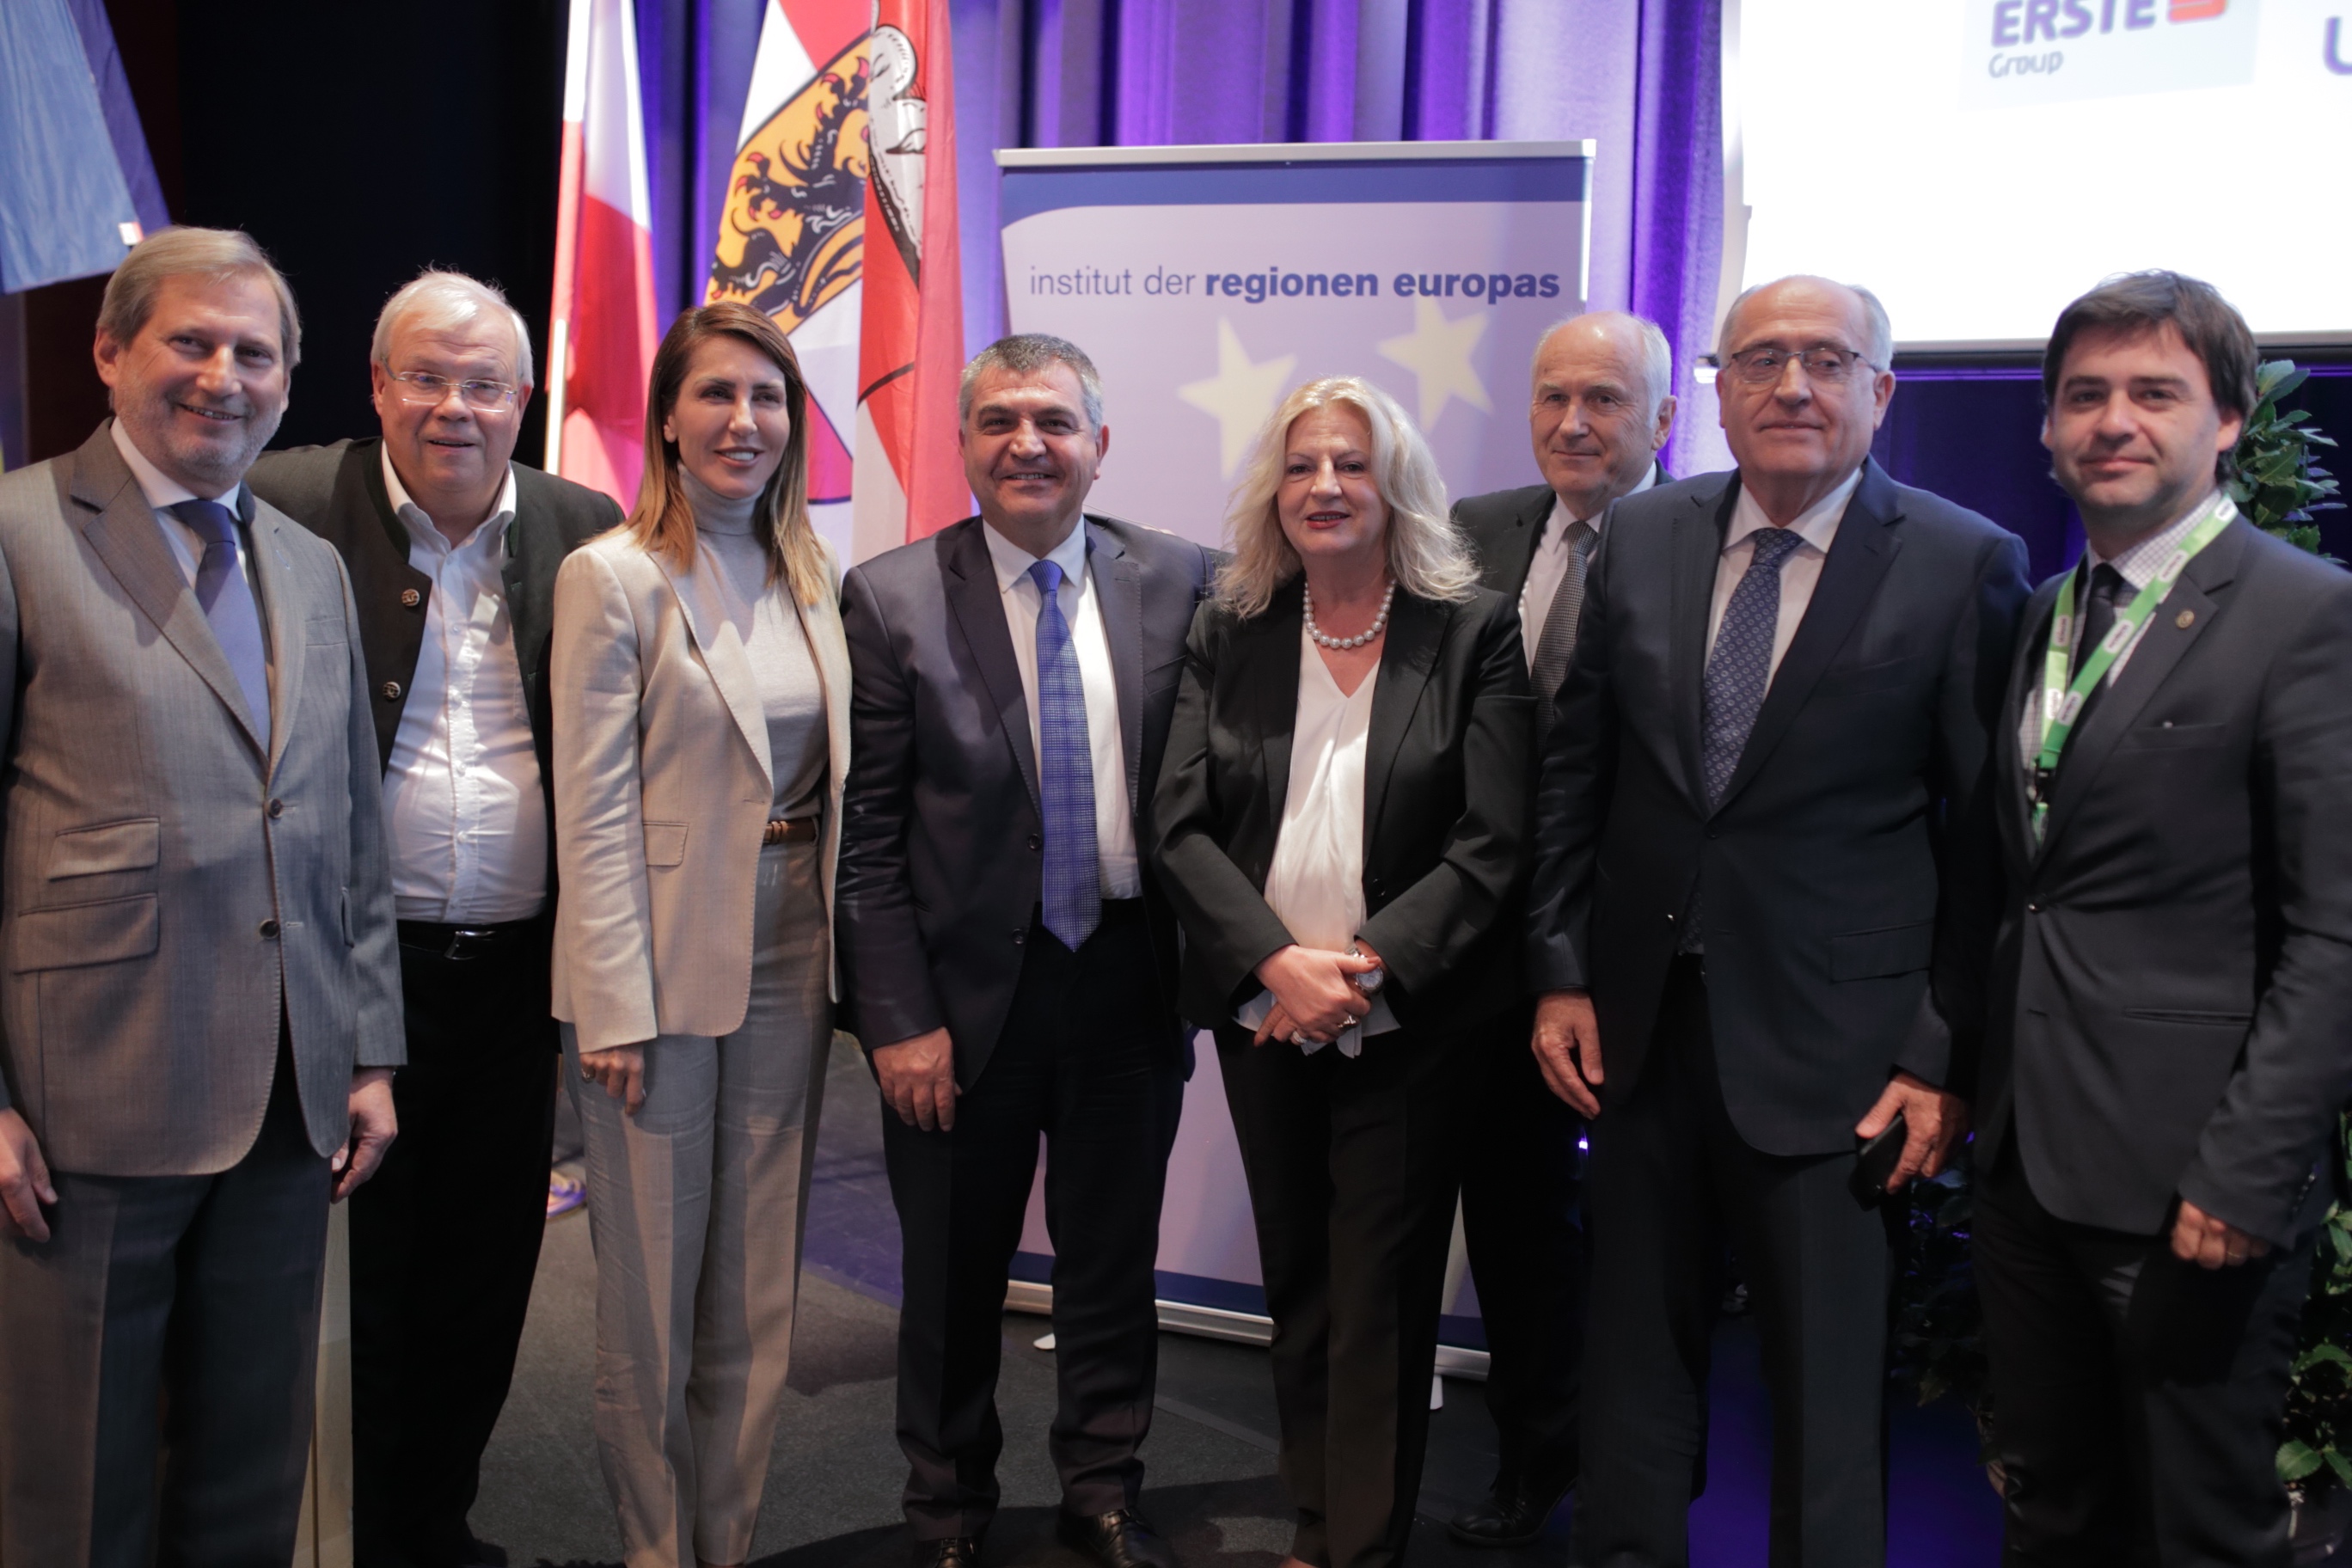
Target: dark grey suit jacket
pixel 1824 908
pixel 1445 804
pixel 169 887
pixel 1503 527
pixel 941 828
pixel 2171 1003
pixel 338 493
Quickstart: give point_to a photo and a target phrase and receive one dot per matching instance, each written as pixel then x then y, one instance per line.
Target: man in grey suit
pixel 1600 408
pixel 199 1008
pixel 1007 956
pixel 2170 1031
pixel 1769 747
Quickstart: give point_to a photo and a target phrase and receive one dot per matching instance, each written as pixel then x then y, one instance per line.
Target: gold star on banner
pixel 1239 396
pixel 1437 351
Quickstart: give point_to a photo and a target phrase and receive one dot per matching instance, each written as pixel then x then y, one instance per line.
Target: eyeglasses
pixel 1762 366
pixel 424 387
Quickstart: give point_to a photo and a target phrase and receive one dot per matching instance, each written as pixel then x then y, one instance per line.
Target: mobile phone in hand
pixel 1875 1162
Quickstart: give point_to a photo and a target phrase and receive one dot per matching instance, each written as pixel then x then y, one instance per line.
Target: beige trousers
pixel 695 1207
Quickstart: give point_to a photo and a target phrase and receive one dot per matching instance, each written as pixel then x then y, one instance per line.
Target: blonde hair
pixel 216 255
pixel 663 522
pixel 1427 554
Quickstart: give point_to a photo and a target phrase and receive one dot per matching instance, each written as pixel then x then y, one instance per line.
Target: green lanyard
pixel 2062 702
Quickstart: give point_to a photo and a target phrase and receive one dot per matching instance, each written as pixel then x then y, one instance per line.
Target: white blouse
pixel 1315 884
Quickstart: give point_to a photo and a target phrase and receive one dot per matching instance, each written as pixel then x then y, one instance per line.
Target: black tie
pixel 2098 620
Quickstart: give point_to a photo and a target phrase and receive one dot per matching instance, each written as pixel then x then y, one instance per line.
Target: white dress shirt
pixel 187 546
pixel 1801 571
pixel 1549 565
pixel 1115 859
pixel 1315 884
pixel 2136 564
pixel 462 802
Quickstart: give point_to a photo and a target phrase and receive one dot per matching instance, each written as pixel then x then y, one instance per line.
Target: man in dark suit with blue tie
pixel 2169 1032
pixel 1006 957
pixel 1772 738
pixel 1600 408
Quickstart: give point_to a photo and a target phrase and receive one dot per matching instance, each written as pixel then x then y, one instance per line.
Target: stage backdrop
pixel 1207 283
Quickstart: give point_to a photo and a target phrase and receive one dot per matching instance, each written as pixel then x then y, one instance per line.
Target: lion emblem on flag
pixel 793 234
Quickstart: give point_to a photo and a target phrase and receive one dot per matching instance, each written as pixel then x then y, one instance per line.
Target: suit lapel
pixel 1859 556
pixel 978 605
pixel 1517 547
pixel 2161 648
pixel 124 534
pixel 1119 589
pixel 723 651
pixel 289 636
pixel 1697 546
pixel 1416 627
pixel 821 623
pixel 1277 691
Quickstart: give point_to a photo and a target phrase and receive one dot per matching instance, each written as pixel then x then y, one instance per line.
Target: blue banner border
pixel 1030 191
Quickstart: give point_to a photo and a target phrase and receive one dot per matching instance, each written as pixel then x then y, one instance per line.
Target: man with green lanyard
pixel 2169 1028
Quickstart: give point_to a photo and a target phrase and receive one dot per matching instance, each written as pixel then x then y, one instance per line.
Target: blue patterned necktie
pixel 1736 676
pixel 1066 772
pixel 227 600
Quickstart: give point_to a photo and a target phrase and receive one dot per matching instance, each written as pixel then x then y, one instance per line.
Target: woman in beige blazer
pixel 700 691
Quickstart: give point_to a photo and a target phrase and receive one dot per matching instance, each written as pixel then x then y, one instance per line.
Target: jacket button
pixel 389 692
pixel 2033 909
pixel 1035 842
pixel 269 930
pixel 410 598
pixel 277 808
pixel 1018 937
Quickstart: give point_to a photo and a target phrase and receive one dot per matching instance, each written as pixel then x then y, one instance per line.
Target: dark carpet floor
pixel 832 1499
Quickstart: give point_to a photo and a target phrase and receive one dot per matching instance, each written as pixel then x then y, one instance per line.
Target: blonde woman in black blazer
pixel 1343 815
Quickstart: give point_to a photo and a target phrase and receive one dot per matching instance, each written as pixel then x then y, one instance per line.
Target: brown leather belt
pixel 788 830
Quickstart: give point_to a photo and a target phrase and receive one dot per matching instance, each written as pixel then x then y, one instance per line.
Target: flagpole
pixel 567 225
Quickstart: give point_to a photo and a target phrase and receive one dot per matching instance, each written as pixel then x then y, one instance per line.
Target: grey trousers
pixel 158 1355
pixel 695 1207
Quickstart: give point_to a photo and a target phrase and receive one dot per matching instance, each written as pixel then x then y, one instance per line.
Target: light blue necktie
pixel 227 600
pixel 1065 773
pixel 1737 674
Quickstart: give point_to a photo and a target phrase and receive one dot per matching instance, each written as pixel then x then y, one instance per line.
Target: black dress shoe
pixel 1513 1514
pixel 480 1553
pixel 1118 1539
pixel 947 1551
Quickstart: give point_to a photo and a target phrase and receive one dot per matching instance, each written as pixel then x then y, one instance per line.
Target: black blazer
pixel 1503 527
pixel 1824 906
pixel 2171 1002
pixel 1446 772
pixel 338 493
pixel 941 828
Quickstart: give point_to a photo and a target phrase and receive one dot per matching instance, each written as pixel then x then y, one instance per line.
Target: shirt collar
pixel 1013 562
pixel 1817 525
pixel 1557 525
pixel 161 491
pixel 420 526
pixel 2137 564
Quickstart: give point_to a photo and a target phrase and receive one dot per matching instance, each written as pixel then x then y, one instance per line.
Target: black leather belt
pixel 464 942
pixel 788 830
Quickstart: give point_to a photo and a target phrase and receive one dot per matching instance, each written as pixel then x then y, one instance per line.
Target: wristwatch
pixel 1372 979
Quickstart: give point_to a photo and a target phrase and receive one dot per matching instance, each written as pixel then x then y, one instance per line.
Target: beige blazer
pixel 662 786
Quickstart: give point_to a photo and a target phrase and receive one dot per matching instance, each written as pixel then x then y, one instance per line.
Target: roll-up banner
pixel 1206 283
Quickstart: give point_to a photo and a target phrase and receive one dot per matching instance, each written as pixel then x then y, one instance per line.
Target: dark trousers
pixel 445 1242
pixel 1670 1179
pixel 1090 1060
pixel 2137 1400
pixel 1354 1167
pixel 158 1357
pixel 1522 1219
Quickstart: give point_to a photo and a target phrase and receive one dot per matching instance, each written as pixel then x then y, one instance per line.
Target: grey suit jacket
pixel 166 888
pixel 2170 1009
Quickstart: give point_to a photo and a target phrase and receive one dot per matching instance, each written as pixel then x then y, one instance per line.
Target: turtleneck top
pixel 769 625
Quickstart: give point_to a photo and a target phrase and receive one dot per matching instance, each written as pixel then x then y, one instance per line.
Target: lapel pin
pixel 2185 619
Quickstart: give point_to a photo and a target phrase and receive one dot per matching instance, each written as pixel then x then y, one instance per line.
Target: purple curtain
pixel 1639 77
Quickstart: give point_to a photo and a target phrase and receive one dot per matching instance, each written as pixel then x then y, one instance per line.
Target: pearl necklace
pixel 1340 644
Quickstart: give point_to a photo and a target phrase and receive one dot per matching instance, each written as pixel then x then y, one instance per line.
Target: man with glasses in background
pixel 452 549
pixel 1772 738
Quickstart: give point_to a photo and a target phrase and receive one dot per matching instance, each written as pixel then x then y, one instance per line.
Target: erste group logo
pixel 2047 51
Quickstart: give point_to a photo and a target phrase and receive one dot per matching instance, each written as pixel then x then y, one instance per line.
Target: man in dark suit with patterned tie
pixel 1007 958
pixel 1770 749
pixel 1599 411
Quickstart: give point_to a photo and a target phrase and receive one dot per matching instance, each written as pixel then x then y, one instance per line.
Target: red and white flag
pixel 603 331
pixel 909 480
